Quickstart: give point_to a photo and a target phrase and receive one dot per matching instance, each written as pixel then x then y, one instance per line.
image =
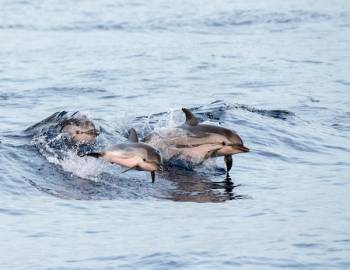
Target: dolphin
pixel 80 130
pixel 76 127
pixel 197 142
pixel 132 155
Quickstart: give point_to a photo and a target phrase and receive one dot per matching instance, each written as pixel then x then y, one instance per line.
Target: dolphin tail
pixel 92 154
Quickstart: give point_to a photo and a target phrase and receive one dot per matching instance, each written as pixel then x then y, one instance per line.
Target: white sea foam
pixel 84 167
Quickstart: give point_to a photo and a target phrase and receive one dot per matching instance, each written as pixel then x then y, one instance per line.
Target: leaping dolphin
pixel 133 155
pixel 197 142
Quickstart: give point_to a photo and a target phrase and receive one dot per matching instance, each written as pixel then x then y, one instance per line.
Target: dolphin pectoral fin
pixel 133 136
pixel 129 169
pixel 228 161
pixel 153 176
pixel 190 118
pixel 212 151
pixel 209 153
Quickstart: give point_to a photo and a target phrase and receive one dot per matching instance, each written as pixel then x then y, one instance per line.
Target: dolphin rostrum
pixel 132 155
pixel 197 142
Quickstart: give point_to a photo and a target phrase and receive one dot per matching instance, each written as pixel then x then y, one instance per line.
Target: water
pixel 276 72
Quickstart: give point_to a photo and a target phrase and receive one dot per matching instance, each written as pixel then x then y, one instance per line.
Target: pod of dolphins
pixel 192 141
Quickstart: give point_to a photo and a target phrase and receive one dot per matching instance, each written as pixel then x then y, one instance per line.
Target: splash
pixel 87 168
pixel 60 150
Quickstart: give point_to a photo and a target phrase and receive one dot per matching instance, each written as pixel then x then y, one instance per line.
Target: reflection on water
pixel 185 186
pixel 198 187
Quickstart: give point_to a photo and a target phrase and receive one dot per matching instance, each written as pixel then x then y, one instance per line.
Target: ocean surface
pixel 277 72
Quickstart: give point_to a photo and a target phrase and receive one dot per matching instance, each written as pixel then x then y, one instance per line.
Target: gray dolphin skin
pixel 80 130
pixel 196 142
pixel 132 155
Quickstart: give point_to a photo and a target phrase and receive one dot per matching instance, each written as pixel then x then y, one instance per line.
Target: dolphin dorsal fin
pixel 190 118
pixel 133 136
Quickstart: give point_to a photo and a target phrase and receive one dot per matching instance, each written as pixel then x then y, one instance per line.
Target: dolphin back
pixel 190 118
pixel 133 136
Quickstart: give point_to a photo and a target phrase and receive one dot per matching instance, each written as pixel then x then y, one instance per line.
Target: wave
pixel 172 22
pixel 257 17
pixel 88 178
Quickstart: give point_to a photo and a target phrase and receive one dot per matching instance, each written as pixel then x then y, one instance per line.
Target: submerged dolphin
pixel 76 127
pixel 196 142
pixel 63 132
pixel 80 130
pixel 133 155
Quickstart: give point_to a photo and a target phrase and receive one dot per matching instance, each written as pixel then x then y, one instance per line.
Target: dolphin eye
pixel 223 143
pixel 144 159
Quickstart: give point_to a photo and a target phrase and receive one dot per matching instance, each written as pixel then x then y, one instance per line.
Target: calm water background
pixel 277 72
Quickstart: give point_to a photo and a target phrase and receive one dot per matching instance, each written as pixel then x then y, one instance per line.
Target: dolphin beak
pixel 241 148
pixel 92 132
pixel 95 132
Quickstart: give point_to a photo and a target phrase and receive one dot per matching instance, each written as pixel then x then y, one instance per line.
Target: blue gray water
pixel 277 72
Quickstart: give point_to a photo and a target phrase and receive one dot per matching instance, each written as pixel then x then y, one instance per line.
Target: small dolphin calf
pixel 196 142
pixel 133 155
